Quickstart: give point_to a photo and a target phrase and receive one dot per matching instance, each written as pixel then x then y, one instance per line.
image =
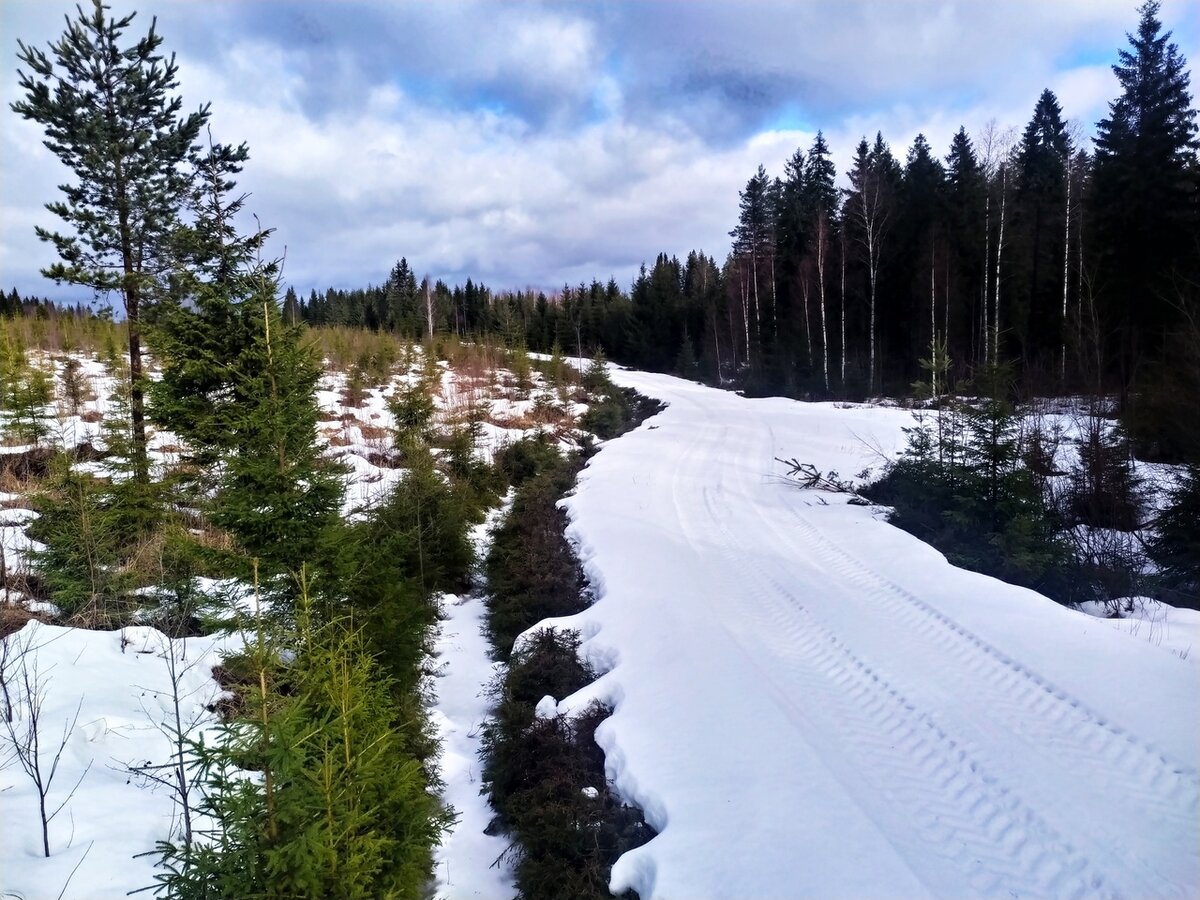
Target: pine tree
pixel 28 393
pixel 109 117
pixel 870 207
pixel 753 241
pixel 965 199
pixel 820 198
pixel 922 250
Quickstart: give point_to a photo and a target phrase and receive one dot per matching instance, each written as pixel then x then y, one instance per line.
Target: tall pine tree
pixel 110 117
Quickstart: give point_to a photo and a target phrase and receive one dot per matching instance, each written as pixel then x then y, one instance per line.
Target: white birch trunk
pixel 428 309
pixel 746 315
pixel 717 342
pixel 999 255
pixel 822 246
pixel 1066 279
pixel 804 287
pixel 933 379
pixel 987 270
pixel 843 307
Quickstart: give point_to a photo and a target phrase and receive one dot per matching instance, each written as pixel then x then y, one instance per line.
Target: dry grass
pixel 373 432
pixel 13 618
pixel 65 333
pixel 335 437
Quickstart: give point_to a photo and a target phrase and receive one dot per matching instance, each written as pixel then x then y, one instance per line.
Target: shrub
pixel 546 776
pixel 532 571
pixel 963 488
pixel 1105 491
pixel 523 459
pixel 1175 548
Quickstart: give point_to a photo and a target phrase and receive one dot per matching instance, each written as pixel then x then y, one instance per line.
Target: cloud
pixel 548 142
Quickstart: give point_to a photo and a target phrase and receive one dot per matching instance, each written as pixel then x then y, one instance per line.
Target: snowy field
pixel 809 702
pixel 812 703
pixel 107 701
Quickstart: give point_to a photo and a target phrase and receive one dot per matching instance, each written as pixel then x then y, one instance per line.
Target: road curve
pixel 812 703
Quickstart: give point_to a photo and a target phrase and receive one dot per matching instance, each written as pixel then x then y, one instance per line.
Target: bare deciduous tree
pixel 24 725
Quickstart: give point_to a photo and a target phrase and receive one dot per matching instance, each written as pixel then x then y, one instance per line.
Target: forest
pixel 207 432
pixel 1076 261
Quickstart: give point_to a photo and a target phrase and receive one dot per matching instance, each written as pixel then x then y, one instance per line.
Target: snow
pixel 1177 630
pixel 465 865
pixel 810 702
pixel 119 683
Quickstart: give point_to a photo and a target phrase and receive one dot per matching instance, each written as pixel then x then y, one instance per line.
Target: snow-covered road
pixel 810 702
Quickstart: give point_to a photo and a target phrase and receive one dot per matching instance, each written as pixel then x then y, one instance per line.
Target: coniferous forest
pixel 1076 261
pixel 306 482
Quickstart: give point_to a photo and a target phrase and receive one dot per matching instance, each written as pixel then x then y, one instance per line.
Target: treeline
pixel 13 304
pixel 1079 266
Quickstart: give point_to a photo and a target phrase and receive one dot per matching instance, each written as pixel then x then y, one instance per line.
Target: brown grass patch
pixel 335 437
pixel 14 618
pixel 373 432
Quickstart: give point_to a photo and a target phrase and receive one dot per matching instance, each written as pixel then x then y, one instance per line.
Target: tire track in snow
pixel 1044 716
pixel 1054 866
pixel 937 791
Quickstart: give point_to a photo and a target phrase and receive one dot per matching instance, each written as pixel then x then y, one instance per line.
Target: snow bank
pixel 810 702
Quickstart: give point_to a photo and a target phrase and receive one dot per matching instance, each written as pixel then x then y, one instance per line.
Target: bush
pixel 526 458
pixel 614 411
pixel 392 566
pixel 532 571
pixel 1175 547
pixel 1105 491
pixel 962 487
pixel 342 809
pixel 546 776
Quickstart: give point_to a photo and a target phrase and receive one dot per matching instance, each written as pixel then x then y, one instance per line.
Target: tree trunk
pixel 807 326
pixel 871 255
pixel 1066 278
pixel 428 309
pixel 716 343
pixel 822 240
pixel 999 255
pixel 933 379
pixel 987 268
pixel 843 309
pixel 746 315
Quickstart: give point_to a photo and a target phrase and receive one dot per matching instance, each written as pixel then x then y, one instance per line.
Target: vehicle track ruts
pixel 1033 708
pixel 941 803
pixel 1156 788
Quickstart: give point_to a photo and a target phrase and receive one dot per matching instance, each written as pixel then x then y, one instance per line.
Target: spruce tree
pixel 341 808
pixel 965 214
pixel 110 117
pixel 276 494
pixel 1145 185
pixel 238 384
pixel 1040 207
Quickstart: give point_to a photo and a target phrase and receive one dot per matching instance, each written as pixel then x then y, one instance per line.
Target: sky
pixel 536 144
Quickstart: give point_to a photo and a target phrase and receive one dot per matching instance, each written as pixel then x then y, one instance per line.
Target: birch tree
pixel 870 207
